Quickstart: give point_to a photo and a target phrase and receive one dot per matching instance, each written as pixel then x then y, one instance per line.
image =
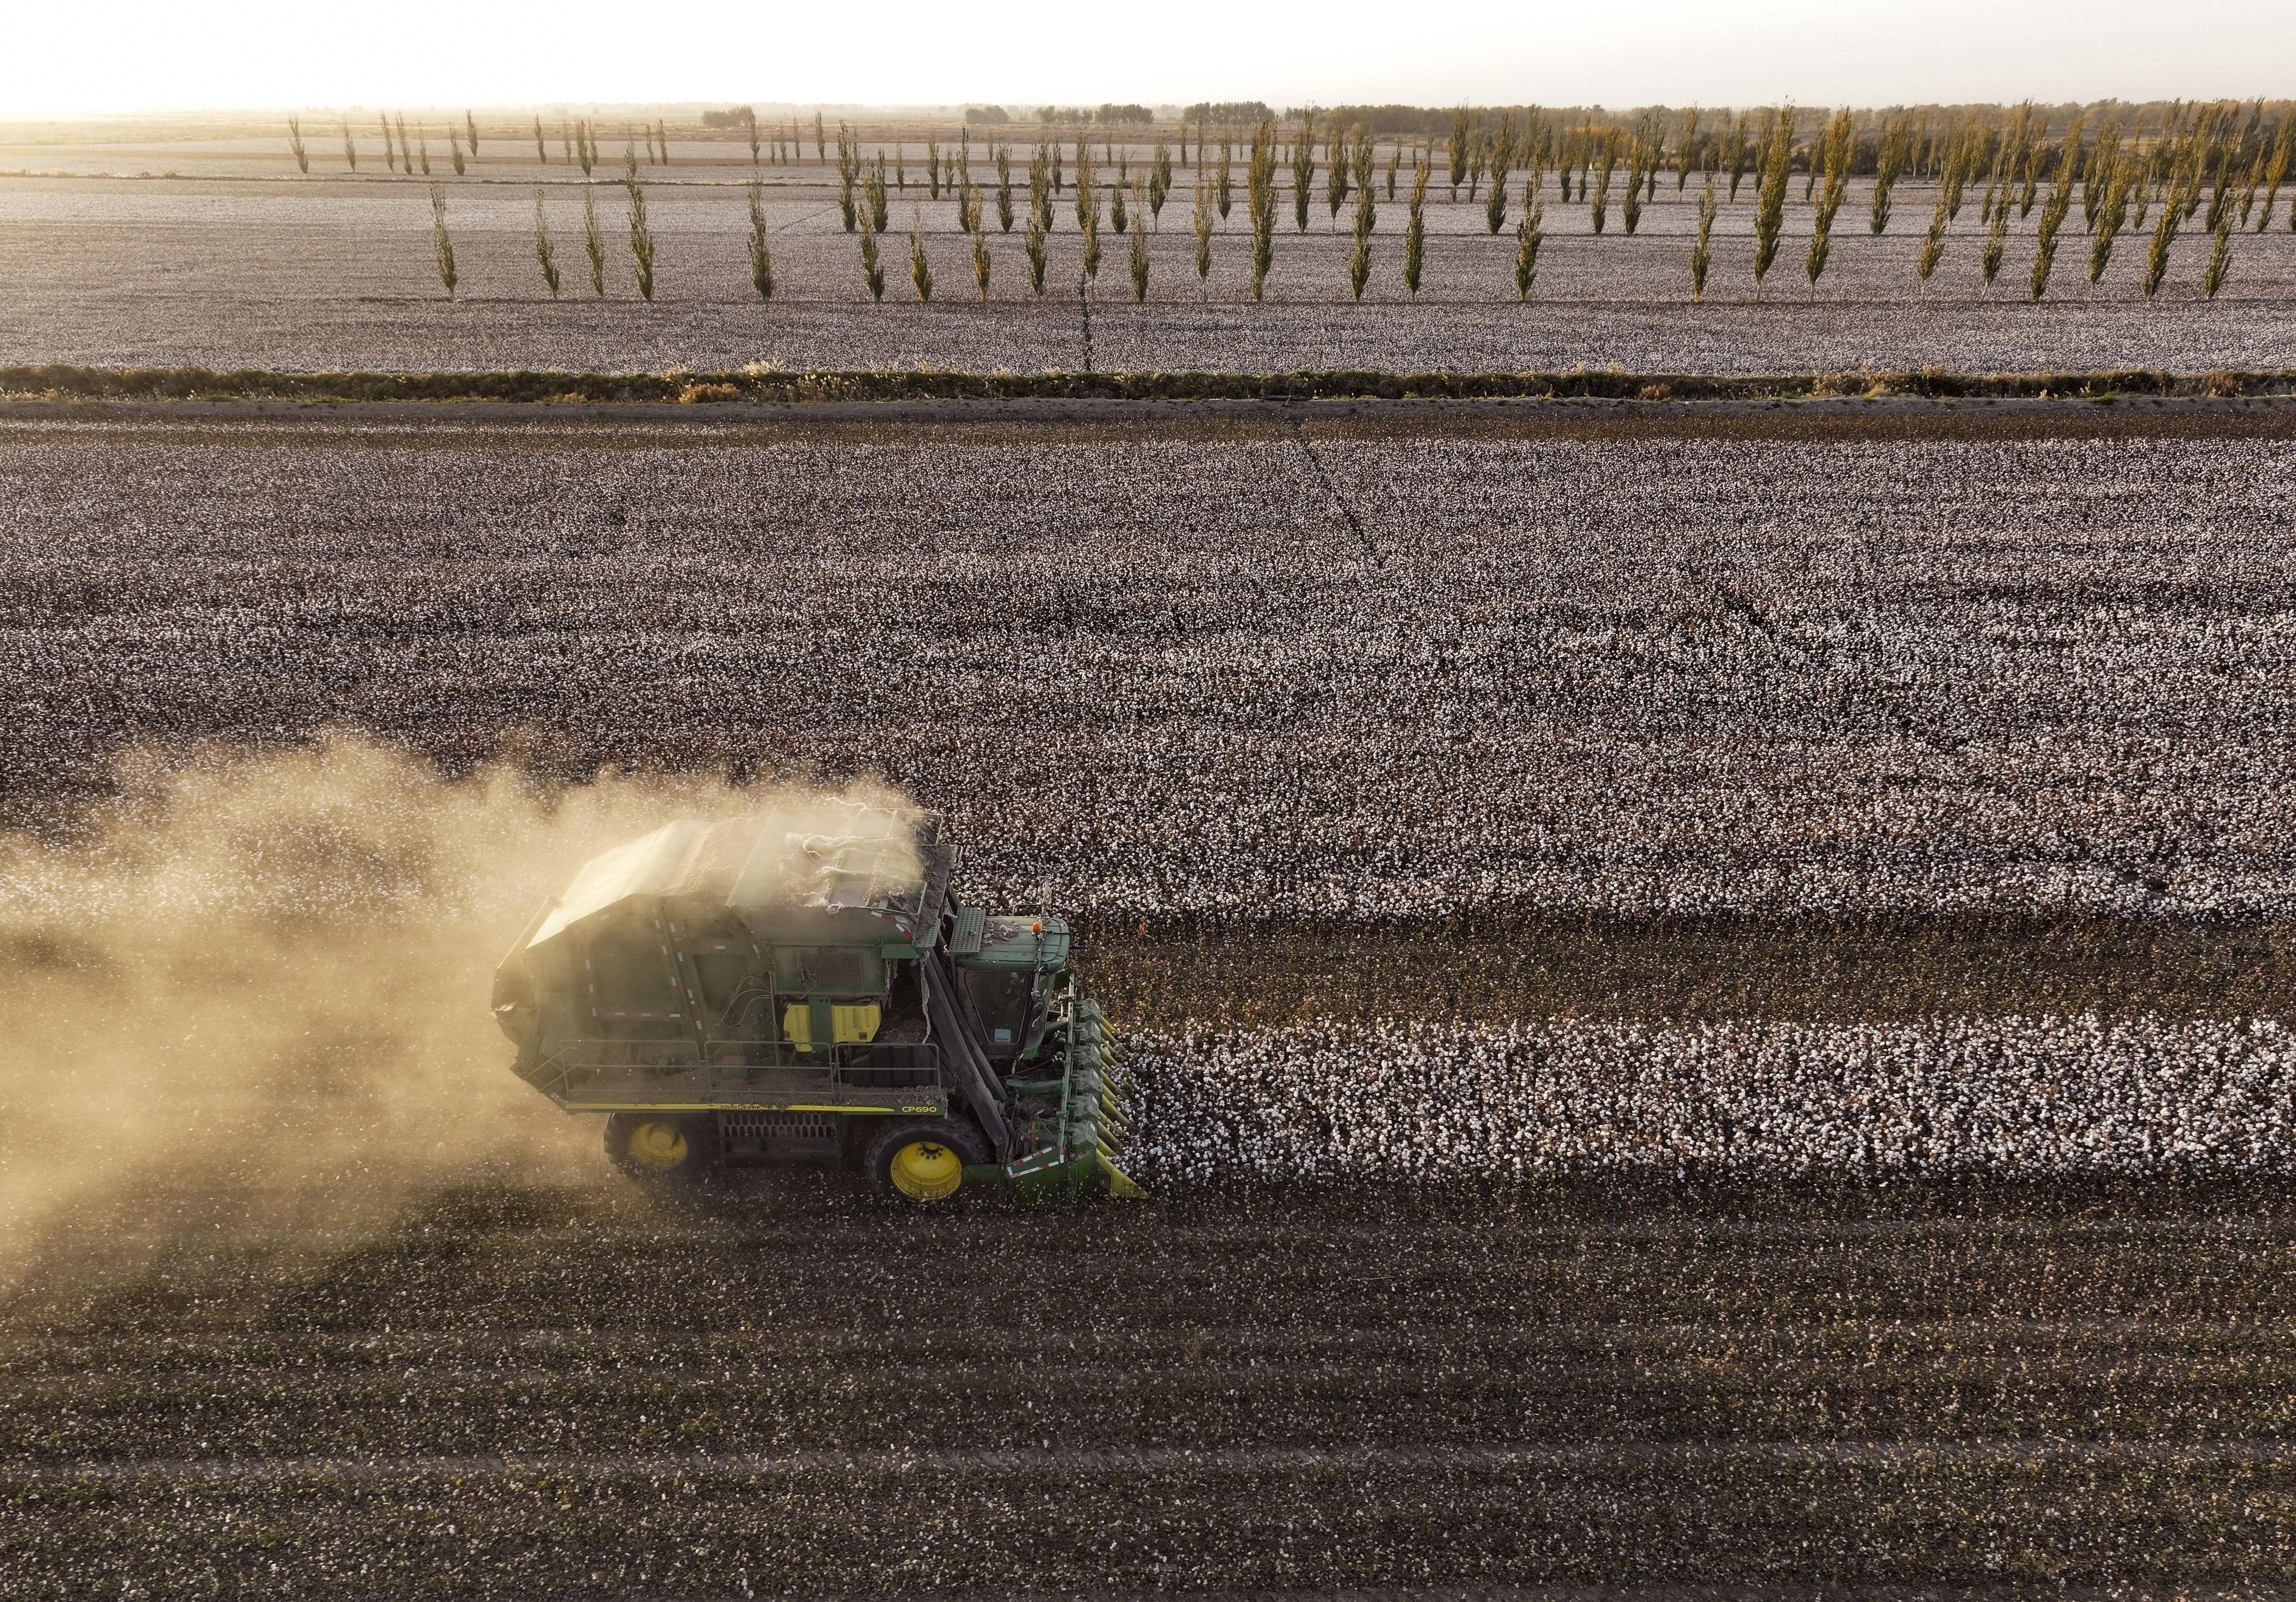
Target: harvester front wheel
pixel 660 1149
pixel 923 1161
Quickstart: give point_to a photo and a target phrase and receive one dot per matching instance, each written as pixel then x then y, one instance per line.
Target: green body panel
pixel 1020 944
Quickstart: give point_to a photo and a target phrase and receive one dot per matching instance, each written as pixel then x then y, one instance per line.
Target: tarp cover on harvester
pixel 845 856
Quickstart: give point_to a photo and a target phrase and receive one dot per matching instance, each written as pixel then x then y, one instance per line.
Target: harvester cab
pixel 738 993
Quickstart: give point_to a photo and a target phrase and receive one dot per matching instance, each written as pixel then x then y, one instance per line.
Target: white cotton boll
pixel 2017 1097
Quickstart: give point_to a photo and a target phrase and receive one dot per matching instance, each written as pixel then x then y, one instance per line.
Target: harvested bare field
pixel 334 273
pixel 561 1389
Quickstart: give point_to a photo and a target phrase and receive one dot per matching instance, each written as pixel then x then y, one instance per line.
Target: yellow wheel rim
pixel 925 1171
pixel 659 1146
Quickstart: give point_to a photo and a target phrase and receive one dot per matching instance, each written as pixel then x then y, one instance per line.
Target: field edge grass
pixel 674 387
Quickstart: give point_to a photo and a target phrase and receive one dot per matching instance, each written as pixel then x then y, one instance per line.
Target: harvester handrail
pixel 831 1067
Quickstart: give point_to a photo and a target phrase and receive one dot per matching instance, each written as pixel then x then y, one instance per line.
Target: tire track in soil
pixel 1332 489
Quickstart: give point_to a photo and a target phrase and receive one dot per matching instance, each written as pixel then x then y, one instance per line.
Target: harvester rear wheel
pixel 923 1161
pixel 662 1148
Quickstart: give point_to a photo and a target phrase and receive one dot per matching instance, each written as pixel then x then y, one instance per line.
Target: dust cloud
pixel 254 987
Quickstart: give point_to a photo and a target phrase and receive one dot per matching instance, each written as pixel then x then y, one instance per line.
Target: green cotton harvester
pixel 743 992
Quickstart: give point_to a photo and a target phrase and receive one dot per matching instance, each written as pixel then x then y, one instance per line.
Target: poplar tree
pixel 1203 221
pixel 2212 276
pixel 1997 241
pixel 1139 265
pixel 873 266
pixel 446 244
pixel 1841 142
pixel 980 263
pixel 1889 166
pixel 2069 162
pixel 641 233
pixel 1602 202
pixel 594 244
pixel 875 197
pixel 761 255
pixel 1359 263
pixel 1414 233
pixel 1770 213
pixel 1303 169
pixel 544 252
pixel 1040 191
pixel 1702 254
pixel 2164 236
pixel 350 149
pixel 2112 212
pixel 1528 238
pixel 2044 255
pixel 541 145
pixel 1933 247
pixel 1684 147
pixel 1005 189
pixel 1032 244
pixel 1639 170
pixel 2275 168
pixel 849 174
pixel 470 134
pixel 2097 174
pixel 295 146
pixel 2058 204
pixel 1260 201
pixel 2031 180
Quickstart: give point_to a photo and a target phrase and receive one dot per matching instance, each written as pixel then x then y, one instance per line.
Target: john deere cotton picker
pixel 734 992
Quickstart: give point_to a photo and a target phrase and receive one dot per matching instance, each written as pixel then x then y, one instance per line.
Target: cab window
pixel 1000 1001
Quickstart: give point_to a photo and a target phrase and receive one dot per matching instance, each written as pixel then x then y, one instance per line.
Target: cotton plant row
pixel 1275 679
pixel 2041 1096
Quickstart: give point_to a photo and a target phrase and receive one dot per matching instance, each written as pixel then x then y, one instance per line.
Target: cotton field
pixel 1340 713
pixel 1283 676
pixel 2007 1096
pixel 338 274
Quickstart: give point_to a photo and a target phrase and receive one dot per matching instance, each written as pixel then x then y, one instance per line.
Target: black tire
pixel 909 1160
pixel 688 1154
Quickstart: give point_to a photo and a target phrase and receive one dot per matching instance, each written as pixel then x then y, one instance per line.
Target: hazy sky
pixel 128 55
